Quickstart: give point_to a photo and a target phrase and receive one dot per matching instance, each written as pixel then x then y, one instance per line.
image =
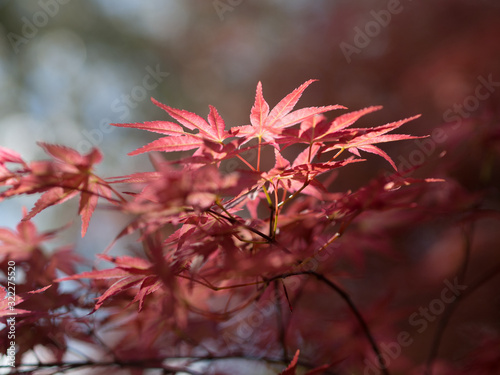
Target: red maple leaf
pixel 266 125
pixel 61 179
pixel 323 136
pixel 364 139
pixel 18 245
pixel 130 272
pixel 7 308
pixel 177 139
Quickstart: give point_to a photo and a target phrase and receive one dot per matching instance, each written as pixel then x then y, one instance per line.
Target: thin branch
pixel 209 285
pixel 468 239
pixel 306 183
pixel 445 318
pixel 450 309
pixel 246 162
pixel 345 296
pixel 280 323
pixel 258 154
pixel 256 231
pixel 274 214
pixel 337 154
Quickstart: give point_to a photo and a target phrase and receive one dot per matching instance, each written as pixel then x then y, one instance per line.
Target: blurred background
pixel 70 68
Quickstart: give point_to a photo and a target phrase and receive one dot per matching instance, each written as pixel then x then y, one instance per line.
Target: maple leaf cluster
pixel 240 265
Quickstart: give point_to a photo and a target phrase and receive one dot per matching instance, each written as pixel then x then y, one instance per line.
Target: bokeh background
pixel 69 68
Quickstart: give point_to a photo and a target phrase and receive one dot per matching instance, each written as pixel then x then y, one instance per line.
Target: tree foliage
pixel 244 265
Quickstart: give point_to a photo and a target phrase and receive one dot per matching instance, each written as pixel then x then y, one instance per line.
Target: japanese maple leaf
pixel 6 307
pixel 8 156
pixel 61 179
pixel 177 139
pixel 301 173
pixel 266 125
pixel 8 177
pixel 313 130
pixel 214 153
pixel 80 179
pixel 323 136
pixel 171 193
pixel 174 188
pixel 18 245
pixel 364 139
pixel 130 272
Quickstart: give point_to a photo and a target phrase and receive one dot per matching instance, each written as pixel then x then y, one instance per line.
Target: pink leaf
pixel 292 367
pixel 189 120
pixel 168 144
pixel 52 197
pixel 118 287
pixel 301 114
pixel 62 153
pixel 7 156
pixel 267 126
pixel 112 273
pixel 287 103
pixel 375 150
pixel 88 203
pixel 260 110
pixel 348 119
pixel 281 162
pixel 217 124
pixel 162 127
